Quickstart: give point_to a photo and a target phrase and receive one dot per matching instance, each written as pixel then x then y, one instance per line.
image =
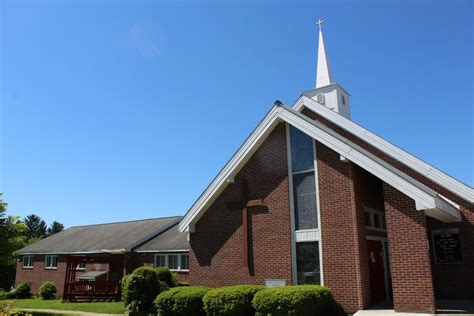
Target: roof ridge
pixel 130 221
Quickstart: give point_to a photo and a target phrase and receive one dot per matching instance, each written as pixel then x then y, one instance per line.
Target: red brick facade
pixel 216 258
pixel 409 254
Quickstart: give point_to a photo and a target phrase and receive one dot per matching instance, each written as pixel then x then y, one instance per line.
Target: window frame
pixel 167 260
pixel 50 267
pixel 382 218
pixel 30 262
pixel 81 268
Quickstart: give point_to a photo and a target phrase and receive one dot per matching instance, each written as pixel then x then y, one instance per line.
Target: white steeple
pixel 323 75
pixel 327 92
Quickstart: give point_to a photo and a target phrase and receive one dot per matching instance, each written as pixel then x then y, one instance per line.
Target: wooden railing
pixel 92 290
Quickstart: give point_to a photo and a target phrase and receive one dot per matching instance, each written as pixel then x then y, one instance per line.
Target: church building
pixel 311 197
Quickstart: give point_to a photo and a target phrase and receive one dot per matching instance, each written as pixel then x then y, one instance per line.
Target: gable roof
pixel 426 199
pixel 170 240
pixel 102 238
pixel 455 186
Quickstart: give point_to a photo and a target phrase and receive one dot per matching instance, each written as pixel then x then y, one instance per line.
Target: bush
pixel 7 295
pixel 23 290
pixel 139 289
pixel 231 300
pixel 47 290
pixel 182 283
pixel 181 301
pixel 301 300
pixel 165 275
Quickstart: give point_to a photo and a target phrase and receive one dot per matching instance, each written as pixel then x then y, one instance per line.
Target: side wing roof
pixel 426 199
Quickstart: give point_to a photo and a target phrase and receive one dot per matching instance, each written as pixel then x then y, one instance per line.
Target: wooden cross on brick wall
pixel 245 204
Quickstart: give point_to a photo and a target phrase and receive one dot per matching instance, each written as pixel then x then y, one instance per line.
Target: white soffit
pixel 388 148
pixel 425 198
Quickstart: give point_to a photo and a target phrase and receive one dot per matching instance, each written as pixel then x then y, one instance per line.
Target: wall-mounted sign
pixel 447 245
pixel 274 282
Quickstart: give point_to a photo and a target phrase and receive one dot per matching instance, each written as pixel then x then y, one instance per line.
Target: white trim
pixel 167 255
pixel 292 208
pixel 425 198
pixel 306 235
pixel 320 244
pixel 388 148
pixel 164 251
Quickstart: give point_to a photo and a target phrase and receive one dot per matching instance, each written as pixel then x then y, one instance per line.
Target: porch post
pixel 412 278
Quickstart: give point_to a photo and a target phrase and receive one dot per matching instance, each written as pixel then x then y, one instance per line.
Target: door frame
pixel 384 241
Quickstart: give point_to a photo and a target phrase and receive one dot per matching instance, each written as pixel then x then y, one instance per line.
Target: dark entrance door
pixel 376 271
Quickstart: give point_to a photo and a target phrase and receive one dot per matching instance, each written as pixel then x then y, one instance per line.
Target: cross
pixel 245 204
pixel 320 24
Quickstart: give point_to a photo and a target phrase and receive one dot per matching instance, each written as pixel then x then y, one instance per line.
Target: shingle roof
pixel 99 238
pixel 170 240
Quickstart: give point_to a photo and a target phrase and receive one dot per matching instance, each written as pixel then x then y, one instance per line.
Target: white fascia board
pixel 424 197
pixel 234 165
pixel 388 148
pixel 162 251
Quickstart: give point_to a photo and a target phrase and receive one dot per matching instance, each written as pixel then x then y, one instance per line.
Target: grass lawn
pixel 94 307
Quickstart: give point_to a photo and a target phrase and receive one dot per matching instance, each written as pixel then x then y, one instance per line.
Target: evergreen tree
pixel 54 228
pixel 35 227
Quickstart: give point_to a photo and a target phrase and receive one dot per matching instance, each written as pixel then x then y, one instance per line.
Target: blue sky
pixel 122 110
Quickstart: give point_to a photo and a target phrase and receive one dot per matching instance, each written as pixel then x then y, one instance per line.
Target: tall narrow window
pixel 160 260
pixel 304 188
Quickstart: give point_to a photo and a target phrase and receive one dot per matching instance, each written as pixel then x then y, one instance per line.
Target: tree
pixel 35 227
pixel 54 228
pixel 11 240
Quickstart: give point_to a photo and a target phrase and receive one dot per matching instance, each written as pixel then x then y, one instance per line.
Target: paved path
pixel 58 311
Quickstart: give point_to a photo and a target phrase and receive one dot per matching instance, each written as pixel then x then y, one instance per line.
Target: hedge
pixel 181 301
pixel 139 289
pixel 301 300
pixel 231 300
pixel 7 295
pixel 47 290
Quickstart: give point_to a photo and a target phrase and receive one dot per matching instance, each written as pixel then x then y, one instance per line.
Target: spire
pixel 323 75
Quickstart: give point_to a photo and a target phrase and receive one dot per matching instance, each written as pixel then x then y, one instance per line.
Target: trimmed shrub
pixel 139 289
pixel 47 290
pixel 301 300
pixel 182 283
pixel 181 301
pixel 231 300
pixel 165 275
pixel 7 295
pixel 23 290
pixel 163 286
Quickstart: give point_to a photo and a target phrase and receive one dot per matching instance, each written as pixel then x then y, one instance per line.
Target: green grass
pixel 94 307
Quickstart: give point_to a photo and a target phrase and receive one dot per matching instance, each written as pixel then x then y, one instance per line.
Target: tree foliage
pixel 11 240
pixel 35 227
pixel 54 228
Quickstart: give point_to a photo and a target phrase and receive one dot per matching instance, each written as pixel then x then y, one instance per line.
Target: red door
pixel 376 271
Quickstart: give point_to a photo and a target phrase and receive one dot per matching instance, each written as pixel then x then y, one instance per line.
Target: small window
pixel 28 262
pixel 375 219
pixel 343 100
pixel 51 262
pixel 160 260
pixel 184 262
pixel 173 263
pixel 81 266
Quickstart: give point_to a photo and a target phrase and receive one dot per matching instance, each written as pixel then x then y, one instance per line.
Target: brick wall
pixel 343 236
pixel 216 256
pixel 412 277
pixel 451 280
pixel 38 274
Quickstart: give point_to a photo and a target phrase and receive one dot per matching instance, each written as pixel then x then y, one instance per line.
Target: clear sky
pixel 120 110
